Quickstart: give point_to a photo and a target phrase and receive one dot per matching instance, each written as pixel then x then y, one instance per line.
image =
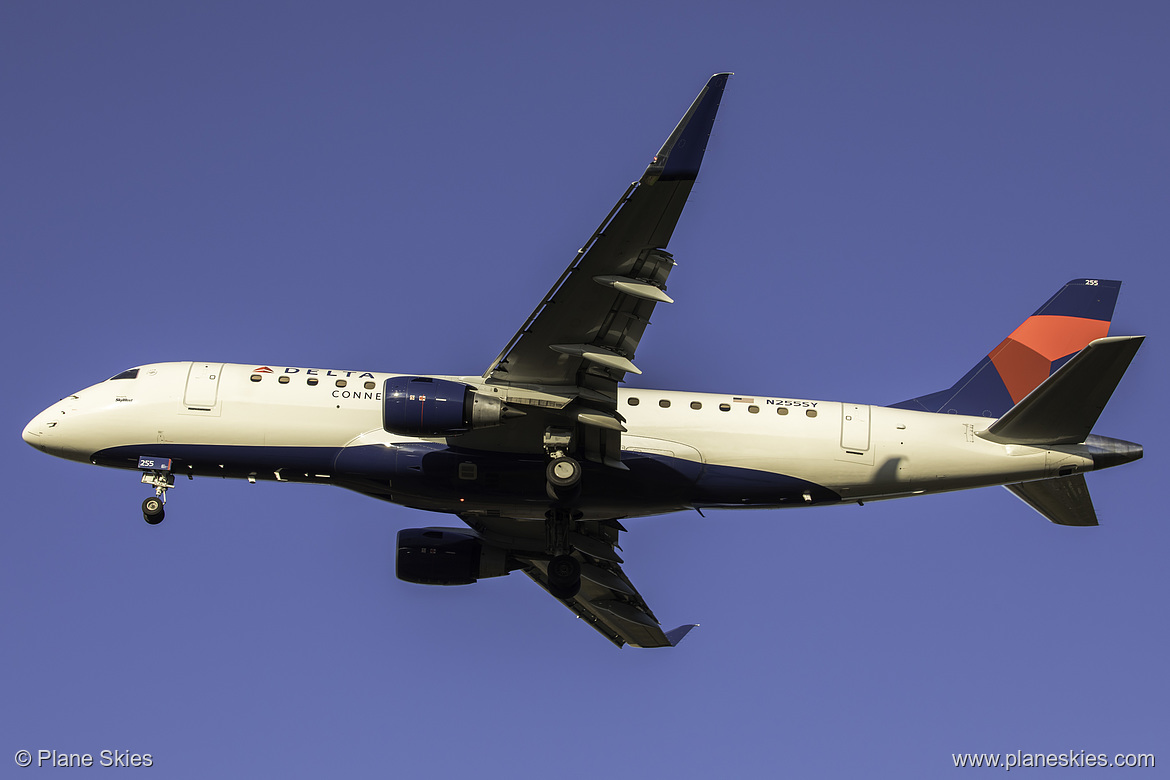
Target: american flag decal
pixel 740 400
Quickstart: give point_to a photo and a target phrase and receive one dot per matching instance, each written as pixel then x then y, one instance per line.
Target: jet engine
pixel 425 406
pixel 447 556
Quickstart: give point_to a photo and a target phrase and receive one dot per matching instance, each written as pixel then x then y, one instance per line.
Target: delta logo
pixel 314 372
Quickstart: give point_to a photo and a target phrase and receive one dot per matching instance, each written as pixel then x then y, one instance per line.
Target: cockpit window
pixel 130 373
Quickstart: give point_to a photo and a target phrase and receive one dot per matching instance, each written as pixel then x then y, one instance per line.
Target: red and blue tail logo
pixel 1079 313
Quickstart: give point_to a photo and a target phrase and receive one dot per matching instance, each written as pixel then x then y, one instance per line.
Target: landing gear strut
pixel 152 507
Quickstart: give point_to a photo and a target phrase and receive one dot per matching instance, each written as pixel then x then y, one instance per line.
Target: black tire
pixel 564 593
pixel 562 495
pixel 564 576
pixel 152 510
pixel 563 472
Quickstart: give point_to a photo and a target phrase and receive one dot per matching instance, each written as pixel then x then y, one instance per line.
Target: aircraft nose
pixel 36 431
pixel 60 430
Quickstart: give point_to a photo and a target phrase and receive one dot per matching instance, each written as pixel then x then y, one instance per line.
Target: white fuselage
pixel 294 424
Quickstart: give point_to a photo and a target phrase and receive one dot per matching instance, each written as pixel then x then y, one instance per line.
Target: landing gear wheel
pixel 152 510
pixel 564 576
pixel 563 472
pixel 563 477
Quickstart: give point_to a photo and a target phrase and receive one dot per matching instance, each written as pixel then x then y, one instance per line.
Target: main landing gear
pixel 563 474
pixel 564 571
pixel 564 576
pixel 153 510
pixel 563 486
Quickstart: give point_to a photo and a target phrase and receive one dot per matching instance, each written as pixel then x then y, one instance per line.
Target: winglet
pixel 675 635
pixel 680 157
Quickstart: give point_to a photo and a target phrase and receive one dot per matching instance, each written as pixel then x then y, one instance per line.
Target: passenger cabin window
pixel 696 405
pixel 632 401
pixel 665 404
pixel 312 380
pixel 256 377
pixel 341 383
pixel 754 409
pixel 783 410
pixel 810 412
pixel 283 380
pixel 130 373
pixel 725 407
pixel 370 385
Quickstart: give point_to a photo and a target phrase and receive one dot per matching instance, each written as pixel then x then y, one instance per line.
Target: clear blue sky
pixel 889 190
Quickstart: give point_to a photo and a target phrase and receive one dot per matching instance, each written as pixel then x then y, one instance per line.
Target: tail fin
pixel 1079 313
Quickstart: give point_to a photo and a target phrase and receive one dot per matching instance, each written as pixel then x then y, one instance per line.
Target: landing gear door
pixel 202 390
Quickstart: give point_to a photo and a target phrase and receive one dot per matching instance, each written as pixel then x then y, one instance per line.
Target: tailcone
pixel 1107 452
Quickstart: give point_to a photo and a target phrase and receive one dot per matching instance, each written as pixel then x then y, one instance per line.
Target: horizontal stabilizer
pixel 1065 407
pixel 1063 500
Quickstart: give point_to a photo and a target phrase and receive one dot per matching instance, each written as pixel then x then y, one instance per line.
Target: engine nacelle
pixel 447 556
pixel 424 406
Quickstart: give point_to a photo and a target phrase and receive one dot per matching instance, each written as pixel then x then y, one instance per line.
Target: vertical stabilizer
pixel 1080 312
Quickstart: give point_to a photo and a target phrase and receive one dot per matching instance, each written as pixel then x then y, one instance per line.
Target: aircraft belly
pixel 432 476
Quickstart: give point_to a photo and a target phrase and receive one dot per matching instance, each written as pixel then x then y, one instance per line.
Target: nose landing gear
pixel 152 508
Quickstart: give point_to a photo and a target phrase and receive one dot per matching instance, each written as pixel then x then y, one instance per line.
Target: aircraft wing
pixel 563 368
pixel 581 339
pixel 613 607
pixel 607 601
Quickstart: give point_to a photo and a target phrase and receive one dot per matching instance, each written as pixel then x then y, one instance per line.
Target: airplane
pixel 545 457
